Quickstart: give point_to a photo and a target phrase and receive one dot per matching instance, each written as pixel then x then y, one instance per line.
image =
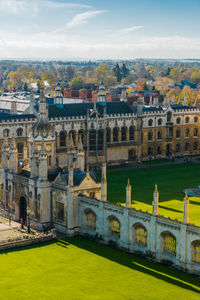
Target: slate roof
pixel 180 106
pixel 78 177
pixel 81 109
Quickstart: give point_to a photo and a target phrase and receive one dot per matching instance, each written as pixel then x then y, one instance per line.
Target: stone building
pixel 45 177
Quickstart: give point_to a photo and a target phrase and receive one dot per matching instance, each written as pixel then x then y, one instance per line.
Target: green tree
pixel 117 72
pixel 124 71
pixel 77 82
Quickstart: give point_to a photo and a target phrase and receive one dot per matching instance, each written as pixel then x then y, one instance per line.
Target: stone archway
pixel 22 208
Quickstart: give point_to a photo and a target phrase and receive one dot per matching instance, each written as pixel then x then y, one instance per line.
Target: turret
pixel 13 156
pixel 58 99
pixel 43 164
pixel 155 201
pixel 103 183
pixel 128 194
pixel 186 208
pixel 33 161
pixel 71 152
pixel 101 93
pixel 185 103
pixel 123 96
pixel 80 155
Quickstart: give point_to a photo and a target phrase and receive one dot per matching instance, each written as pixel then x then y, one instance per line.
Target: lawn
pixel 171 180
pixel 76 268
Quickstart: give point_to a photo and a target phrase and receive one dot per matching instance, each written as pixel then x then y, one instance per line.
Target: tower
pixel 128 194
pixel 80 156
pixel 43 164
pixel 101 93
pixel 58 99
pixel 103 183
pixel 186 208
pixel 155 201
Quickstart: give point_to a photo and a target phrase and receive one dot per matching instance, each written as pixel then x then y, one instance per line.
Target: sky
pixel 99 29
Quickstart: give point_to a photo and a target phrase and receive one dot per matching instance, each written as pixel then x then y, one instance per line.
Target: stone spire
pixel 5 154
pixel 103 183
pixel 71 177
pixel 13 155
pixel 43 113
pixel 71 152
pixel 80 155
pixel 43 164
pixel 155 201
pixel 33 160
pixel 128 194
pixel 186 208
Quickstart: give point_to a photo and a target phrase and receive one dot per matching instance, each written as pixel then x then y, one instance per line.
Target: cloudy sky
pixel 95 29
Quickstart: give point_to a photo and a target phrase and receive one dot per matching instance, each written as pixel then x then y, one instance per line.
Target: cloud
pixel 83 18
pixel 129 29
pixel 32 6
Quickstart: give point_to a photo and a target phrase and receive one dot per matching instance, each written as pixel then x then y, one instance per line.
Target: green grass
pixel 171 180
pixel 76 268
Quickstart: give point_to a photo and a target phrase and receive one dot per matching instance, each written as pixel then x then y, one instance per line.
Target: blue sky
pixel 91 29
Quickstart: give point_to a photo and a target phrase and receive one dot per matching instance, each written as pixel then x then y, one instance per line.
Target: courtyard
pixel 76 268
pixel 171 180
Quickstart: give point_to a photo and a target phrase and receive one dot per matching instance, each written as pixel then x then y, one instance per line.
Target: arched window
pixel 131 133
pixel 150 122
pixel 178 120
pixel 178 133
pixel 140 235
pixel 62 139
pixel 20 148
pixel 150 136
pixel 177 148
pixel 108 134
pixel 114 226
pixel 159 135
pixel 169 243
pixel 195 131
pixel 123 133
pixel 187 119
pixel 115 134
pixel 196 252
pixel 187 147
pixel 187 132
pixel 195 146
pixel 90 219
pixel 19 132
pixel 169 116
pixel 159 150
pixel 195 119
pixel 159 122
pixel 92 140
pixel 6 133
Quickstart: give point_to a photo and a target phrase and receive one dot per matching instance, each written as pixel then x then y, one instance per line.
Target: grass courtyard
pixel 76 268
pixel 171 180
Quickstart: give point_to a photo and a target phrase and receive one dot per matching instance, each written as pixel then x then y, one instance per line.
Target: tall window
pixel 177 148
pixel 150 136
pixel 114 226
pixel 195 131
pixel 19 132
pixel 20 148
pixel 178 120
pixel 178 133
pixel 159 135
pixel 187 132
pixel 62 139
pixel 159 122
pixel 91 219
pixel 100 140
pixel 131 133
pixel 115 134
pixel 187 119
pixel 187 147
pixel 196 252
pixel 141 235
pixel 108 131
pixel 123 133
pixel 92 140
pixel 169 116
pixel 195 146
pixel 169 244
pixel 195 119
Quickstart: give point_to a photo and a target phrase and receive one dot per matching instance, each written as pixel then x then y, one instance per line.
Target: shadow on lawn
pixel 135 262
pixel 171 209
